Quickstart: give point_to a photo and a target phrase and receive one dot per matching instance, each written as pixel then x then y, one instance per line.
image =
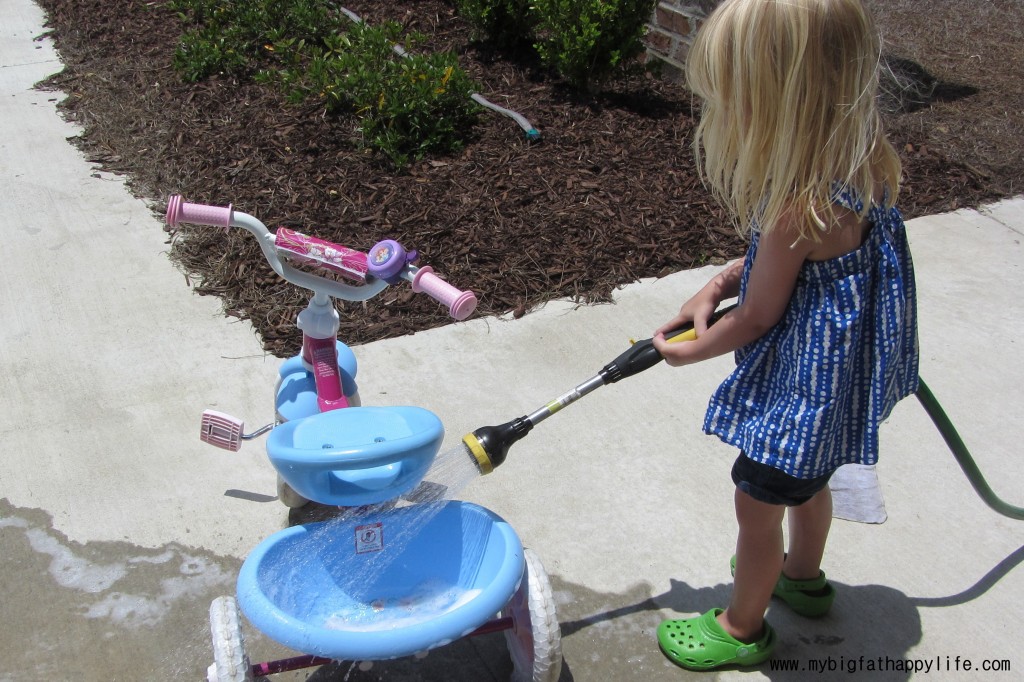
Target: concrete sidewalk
pixel 117 526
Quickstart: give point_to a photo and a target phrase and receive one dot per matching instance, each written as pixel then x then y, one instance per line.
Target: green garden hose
pixel 963 457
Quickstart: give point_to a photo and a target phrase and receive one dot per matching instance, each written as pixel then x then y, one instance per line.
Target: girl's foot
pixel 701 644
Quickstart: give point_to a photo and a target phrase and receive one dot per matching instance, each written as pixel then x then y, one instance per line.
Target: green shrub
pixel 588 41
pixel 407 106
pixel 240 36
pixel 504 23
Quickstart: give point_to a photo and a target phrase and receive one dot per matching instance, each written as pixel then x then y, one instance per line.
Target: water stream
pixel 357 550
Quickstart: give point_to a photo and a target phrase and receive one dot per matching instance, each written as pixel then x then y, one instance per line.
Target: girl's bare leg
pixel 808 530
pixel 758 563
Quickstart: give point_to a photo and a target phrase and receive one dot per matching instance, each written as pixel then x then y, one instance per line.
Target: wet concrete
pixel 102 610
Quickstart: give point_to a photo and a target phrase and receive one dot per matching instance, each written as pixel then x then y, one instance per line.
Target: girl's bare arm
pixel 773 276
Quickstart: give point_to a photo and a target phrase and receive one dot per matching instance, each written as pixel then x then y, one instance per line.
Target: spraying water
pixel 387 530
pixel 452 471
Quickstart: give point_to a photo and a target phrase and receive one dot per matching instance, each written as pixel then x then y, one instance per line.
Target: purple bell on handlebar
pixel 387 259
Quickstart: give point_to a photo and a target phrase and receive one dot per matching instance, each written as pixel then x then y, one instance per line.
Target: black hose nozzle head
pixel 489 444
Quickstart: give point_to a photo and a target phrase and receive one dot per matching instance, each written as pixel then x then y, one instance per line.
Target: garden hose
pixel 532 134
pixel 962 455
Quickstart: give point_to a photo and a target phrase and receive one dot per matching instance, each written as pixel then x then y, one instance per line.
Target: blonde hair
pixel 789 109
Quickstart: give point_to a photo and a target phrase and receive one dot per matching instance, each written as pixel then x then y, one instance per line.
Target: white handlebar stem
pixel 315 283
pixel 178 211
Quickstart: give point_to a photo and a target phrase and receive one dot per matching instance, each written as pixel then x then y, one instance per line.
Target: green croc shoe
pixel 701 644
pixel 809 598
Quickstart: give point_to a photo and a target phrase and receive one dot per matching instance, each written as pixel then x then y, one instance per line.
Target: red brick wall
pixel 671 32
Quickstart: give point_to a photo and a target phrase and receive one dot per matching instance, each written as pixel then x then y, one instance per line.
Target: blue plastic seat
pixel 383 585
pixel 357 455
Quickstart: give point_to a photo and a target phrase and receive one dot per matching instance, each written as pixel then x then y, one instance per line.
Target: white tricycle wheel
pixel 535 639
pixel 230 662
pixel 288 496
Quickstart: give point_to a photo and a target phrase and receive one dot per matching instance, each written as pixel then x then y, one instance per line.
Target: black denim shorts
pixel 772 486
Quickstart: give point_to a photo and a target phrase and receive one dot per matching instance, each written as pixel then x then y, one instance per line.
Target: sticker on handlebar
pixel 321 253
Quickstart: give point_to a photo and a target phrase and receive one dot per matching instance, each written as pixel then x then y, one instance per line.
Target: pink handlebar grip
pixel 200 214
pixel 461 304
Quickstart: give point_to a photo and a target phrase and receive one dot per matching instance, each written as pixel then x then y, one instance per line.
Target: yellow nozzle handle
pixel 687 332
pixel 685 335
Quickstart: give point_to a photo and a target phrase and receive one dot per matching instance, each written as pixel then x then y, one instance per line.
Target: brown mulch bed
pixel 609 196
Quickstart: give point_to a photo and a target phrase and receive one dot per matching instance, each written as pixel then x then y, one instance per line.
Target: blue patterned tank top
pixel 809 395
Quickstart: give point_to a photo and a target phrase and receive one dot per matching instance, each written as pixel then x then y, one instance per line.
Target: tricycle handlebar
pixel 179 211
pixel 388 264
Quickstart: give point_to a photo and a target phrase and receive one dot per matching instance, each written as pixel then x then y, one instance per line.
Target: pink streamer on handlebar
pixel 321 253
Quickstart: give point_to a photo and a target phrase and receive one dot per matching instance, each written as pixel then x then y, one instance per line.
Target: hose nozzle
pixel 489 444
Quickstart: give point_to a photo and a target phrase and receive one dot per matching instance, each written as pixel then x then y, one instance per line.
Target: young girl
pixel 825 331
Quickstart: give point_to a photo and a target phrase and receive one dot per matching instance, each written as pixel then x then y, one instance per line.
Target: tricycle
pixel 396 572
